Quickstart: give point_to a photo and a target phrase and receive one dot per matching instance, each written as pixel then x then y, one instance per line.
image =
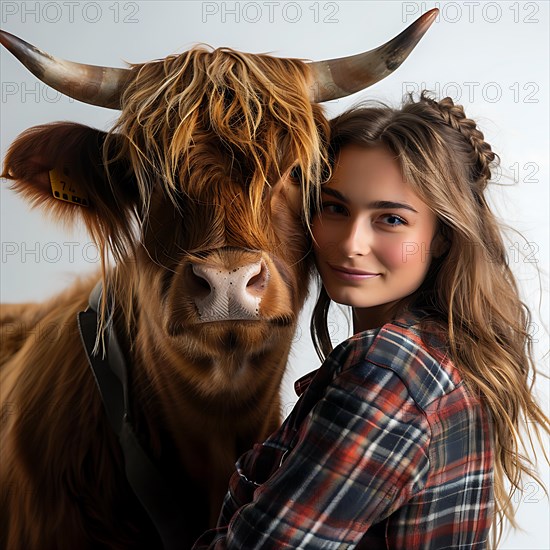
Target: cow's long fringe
pixel 259 108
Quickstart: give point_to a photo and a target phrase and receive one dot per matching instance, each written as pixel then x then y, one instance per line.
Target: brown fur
pixel 198 171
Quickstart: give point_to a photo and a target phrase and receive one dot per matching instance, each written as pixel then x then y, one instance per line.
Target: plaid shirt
pixel 386 448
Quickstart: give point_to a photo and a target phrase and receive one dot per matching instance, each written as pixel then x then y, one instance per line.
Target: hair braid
pixel 454 116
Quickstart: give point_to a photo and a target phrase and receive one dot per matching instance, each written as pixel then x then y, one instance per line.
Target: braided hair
pixel 482 154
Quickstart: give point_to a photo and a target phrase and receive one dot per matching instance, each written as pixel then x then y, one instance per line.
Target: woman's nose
pixel 358 239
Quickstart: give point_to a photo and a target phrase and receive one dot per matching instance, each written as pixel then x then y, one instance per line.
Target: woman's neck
pixel 377 316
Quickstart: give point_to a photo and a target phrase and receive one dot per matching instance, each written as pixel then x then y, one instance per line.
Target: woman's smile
pixel 352 274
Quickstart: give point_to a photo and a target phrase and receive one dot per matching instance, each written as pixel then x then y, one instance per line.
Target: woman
pixel 406 435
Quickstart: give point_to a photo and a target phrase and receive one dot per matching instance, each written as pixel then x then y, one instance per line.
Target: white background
pixel 490 56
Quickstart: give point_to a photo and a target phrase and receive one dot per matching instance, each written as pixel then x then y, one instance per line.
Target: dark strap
pixel 159 499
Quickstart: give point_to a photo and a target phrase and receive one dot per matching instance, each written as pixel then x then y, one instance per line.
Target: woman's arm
pixel 359 455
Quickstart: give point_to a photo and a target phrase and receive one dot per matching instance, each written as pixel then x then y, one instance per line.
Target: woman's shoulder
pixel 414 348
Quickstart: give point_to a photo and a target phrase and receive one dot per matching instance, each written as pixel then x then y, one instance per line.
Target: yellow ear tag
pixel 66 189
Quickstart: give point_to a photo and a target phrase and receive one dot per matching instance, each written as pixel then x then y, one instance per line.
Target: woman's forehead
pixel 361 166
pixel 369 174
pixel 355 159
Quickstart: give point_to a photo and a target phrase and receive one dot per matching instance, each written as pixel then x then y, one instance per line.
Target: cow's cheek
pixel 286 211
pixel 288 195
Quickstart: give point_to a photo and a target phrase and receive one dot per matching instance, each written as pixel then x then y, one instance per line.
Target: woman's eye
pixel 393 220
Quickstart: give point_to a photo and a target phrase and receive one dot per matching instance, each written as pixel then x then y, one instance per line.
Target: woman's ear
pixel 441 242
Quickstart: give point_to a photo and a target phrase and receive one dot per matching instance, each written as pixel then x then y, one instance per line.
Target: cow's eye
pixel 296 174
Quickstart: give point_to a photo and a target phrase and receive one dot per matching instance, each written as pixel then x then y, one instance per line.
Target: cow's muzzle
pixel 229 294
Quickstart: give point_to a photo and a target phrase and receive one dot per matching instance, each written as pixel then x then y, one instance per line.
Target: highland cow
pixel 199 195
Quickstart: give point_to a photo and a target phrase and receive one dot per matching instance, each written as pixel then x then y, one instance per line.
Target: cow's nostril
pixel 258 281
pixel 199 279
pixel 202 282
pixel 255 280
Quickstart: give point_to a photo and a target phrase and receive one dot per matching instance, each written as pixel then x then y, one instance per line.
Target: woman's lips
pixel 352 274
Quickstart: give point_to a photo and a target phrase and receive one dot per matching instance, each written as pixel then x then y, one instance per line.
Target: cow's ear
pixel 61 167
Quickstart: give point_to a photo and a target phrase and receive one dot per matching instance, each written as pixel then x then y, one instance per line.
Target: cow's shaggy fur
pixel 195 171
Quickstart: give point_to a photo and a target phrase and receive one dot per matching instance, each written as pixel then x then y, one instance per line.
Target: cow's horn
pixel 333 78
pixel 92 84
pixel 340 77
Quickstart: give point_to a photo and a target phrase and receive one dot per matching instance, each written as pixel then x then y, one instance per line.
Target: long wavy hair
pixel 470 290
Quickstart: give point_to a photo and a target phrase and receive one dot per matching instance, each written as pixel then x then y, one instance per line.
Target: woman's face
pixel 373 237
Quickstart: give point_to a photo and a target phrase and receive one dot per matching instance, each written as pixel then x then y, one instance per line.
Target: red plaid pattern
pixel 386 448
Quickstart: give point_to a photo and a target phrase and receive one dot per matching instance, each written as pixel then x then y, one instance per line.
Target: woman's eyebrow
pixel 375 205
pixel 390 204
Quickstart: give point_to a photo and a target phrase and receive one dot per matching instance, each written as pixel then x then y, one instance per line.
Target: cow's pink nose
pixel 230 294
